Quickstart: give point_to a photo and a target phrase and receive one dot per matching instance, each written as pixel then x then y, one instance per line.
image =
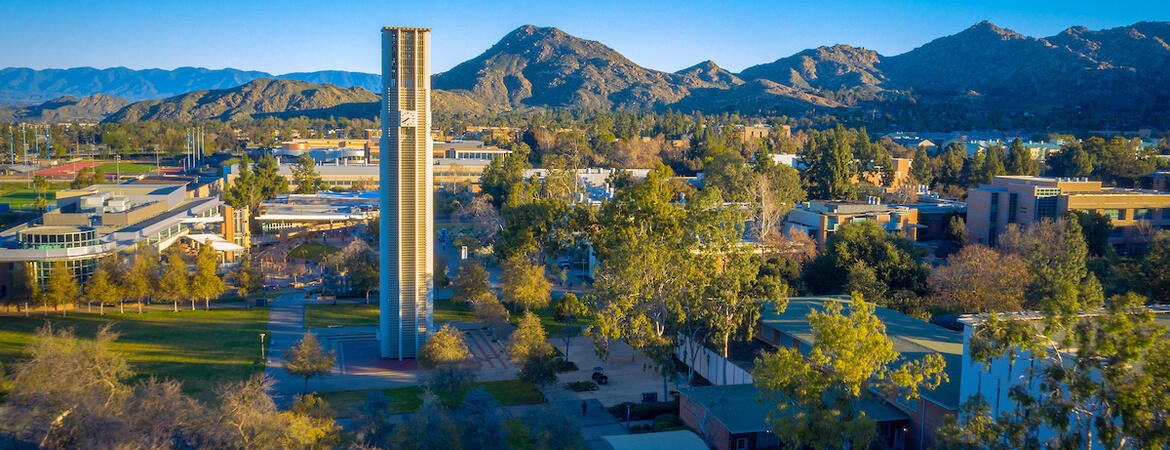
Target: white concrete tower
pixel 406 294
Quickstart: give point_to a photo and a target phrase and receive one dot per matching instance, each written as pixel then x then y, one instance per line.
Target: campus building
pixel 821 218
pixel 406 178
pixel 733 413
pixel 91 223
pixel 295 214
pixel 1026 200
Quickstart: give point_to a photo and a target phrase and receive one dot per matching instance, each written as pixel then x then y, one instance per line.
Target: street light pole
pixel 117 169
pixel 263 355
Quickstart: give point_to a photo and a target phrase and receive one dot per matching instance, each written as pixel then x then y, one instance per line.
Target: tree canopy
pixel 819 397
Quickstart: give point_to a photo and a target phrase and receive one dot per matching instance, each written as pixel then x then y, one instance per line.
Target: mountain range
pixel 983 76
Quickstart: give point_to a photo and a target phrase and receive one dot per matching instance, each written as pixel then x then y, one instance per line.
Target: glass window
pixel 1111 213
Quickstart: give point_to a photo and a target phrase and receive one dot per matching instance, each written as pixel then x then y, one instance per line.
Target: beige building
pixel 1025 200
pixel 820 218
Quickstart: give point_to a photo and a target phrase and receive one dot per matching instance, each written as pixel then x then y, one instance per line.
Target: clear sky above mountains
pixel 301 36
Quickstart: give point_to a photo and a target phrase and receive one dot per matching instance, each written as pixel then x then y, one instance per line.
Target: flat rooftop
pixel 913 338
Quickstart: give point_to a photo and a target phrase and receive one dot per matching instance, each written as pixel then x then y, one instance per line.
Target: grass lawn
pixel 409 399
pixel 126 168
pixel 517 434
pixel 554 327
pixel 341 315
pixel 313 251
pixel 202 349
pixel 360 314
pixel 21 196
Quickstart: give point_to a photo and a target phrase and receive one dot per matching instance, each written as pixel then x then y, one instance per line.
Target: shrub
pixel 566 366
pixel 583 386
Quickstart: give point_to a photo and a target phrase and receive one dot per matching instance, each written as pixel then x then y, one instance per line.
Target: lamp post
pixel 117 169
pixel 263 356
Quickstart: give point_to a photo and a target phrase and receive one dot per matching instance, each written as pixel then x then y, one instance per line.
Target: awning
pixel 219 244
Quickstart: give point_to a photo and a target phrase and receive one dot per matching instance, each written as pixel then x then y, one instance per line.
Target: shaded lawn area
pixel 361 314
pixel 409 399
pixel 202 349
pixel 313 251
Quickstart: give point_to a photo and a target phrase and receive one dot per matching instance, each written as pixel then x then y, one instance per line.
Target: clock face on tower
pixel 408 119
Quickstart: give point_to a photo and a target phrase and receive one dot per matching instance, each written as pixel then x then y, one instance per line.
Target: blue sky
pixel 295 36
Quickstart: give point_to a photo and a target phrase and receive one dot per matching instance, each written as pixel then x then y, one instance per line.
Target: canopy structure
pixel 219 244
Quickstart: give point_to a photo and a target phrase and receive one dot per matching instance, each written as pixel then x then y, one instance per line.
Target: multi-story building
pixel 91 223
pixel 405 171
pixel 820 218
pixel 1025 200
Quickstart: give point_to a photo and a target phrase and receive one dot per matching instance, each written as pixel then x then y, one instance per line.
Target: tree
pixel 528 339
pixel 247 416
pixel 860 246
pixel 570 308
pixel 492 313
pixel 539 368
pixel 1100 379
pixel 957 231
pixel 206 284
pixel 310 424
pixel 95 407
pixel 254 184
pixel 42 406
pixel 503 173
pixel 1019 160
pixel 979 279
pixel 819 396
pixel 551 429
pixel 446 352
pixel 247 276
pixel 1155 279
pixel 101 288
pixel 1056 254
pixel 471 283
pixel 524 284
pixel 922 168
pixel 829 156
pixel 482 421
pixel 484 218
pixel 308 359
pixel 175 278
pixel 305 175
pixel 140 282
pixel 41 191
pixel 359 263
pixel 431 428
pixel 61 287
pixel 446 347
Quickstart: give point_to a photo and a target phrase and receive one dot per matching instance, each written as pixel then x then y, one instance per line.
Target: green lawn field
pixel 21 196
pixel 202 349
pixel 361 314
pixel 313 251
pixel 126 168
pixel 409 399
